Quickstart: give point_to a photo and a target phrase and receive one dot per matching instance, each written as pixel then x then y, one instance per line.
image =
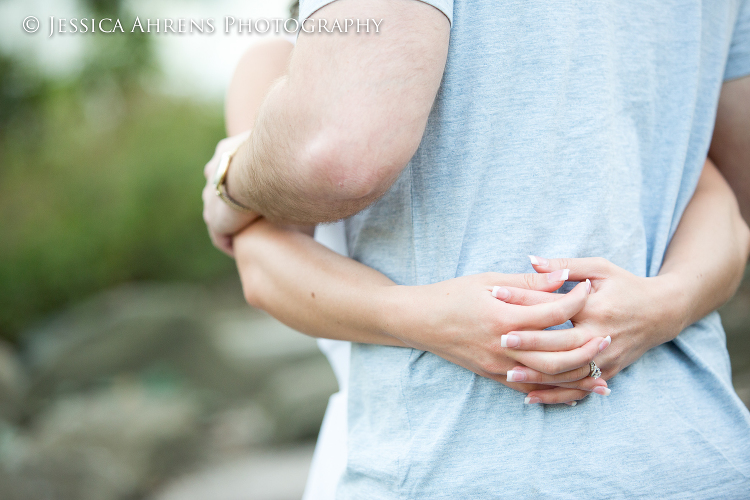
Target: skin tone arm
pixel 324 294
pixel 276 260
pixel 730 147
pixel 326 144
pixel 268 241
pixel 702 269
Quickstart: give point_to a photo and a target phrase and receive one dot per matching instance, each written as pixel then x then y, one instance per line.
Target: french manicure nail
pixel 510 340
pixel 588 285
pixel 603 391
pixel 605 343
pixel 557 276
pixel 572 403
pixel 531 401
pixel 516 376
pixel 500 292
pixel 538 261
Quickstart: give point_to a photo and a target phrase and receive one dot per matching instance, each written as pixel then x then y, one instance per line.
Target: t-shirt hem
pixel 738 68
pixel 309 8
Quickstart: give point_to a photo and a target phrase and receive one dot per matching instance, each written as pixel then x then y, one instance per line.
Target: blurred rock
pixel 225 351
pixel 234 430
pixel 12 383
pixel 102 446
pixel 261 475
pixel 297 396
pixel 144 382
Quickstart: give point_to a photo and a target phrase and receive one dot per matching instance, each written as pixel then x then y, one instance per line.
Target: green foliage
pixel 21 92
pixel 100 189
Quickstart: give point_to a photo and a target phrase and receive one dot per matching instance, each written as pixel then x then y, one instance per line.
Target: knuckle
pixel 579 395
pixel 601 263
pixel 495 350
pixel 507 325
pixel 577 339
pixel 490 361
pixel 591 354
pixel 492 277
pixel 529 341
pixel 530 280
pixel 565 263
pixel 490 365
pixel 550 367
pixel 557 313
pixel 497 324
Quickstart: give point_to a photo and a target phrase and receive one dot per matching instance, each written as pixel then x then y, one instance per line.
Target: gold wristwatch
pixel 220 178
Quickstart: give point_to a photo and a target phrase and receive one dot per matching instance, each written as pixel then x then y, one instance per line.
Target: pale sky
pixel 197 65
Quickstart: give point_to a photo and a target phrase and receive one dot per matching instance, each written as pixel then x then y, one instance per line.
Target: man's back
pixel 558 130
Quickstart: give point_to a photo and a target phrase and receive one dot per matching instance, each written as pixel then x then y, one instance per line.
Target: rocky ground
pixel 160 391
pixel 174 392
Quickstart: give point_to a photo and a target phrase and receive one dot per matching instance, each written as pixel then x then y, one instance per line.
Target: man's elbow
pixel 351 173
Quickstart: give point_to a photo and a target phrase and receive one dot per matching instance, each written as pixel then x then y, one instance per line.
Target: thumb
pixel 580 269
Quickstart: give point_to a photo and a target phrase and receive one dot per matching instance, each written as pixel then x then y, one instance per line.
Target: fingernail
pixel 605 343
pixel 531 401
pixel 500 292
pixel 516 376
pixel 572 403
pixel 510 340
pixel 557 276
pixel 588 285
pixel 538 261
pixel 604 391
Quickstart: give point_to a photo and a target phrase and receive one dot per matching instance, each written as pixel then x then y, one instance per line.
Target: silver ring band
pixel 595 371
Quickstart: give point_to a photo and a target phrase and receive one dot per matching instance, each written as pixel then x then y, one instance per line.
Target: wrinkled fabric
pixel 560 129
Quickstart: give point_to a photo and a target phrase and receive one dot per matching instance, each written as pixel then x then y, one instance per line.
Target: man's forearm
pixel 335 132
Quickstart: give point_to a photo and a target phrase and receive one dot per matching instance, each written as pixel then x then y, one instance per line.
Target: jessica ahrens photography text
pixel 229 25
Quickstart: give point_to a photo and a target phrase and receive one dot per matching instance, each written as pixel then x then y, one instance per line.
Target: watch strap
pixel 221 178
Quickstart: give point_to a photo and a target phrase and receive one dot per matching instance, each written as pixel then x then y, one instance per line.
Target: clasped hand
pixel 222 221
pixel 494 325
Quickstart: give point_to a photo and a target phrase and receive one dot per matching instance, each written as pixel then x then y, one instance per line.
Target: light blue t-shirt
pixel 561 129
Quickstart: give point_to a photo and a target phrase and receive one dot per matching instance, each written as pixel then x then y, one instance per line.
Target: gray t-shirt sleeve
pixel 308 7
pixel 738 62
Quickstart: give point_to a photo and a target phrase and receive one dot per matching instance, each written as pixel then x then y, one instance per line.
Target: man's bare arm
pixel 335 132
pixel 730 147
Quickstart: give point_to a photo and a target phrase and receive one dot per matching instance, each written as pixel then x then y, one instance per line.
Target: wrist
pixel 671 298
pixel 235 183
pixel 394 311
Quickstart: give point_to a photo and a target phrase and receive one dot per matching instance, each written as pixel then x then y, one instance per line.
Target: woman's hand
pixel 462 321
pixel 629 309
pixel 222 221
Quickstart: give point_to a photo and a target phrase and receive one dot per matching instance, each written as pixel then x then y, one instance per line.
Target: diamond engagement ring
pixel 595 371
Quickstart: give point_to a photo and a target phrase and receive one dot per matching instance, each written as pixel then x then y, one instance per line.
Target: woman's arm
pixel 730 145
pixel 283 269
pixel 326 295
pixel 702 269
pixel 320 293
pixel 323 294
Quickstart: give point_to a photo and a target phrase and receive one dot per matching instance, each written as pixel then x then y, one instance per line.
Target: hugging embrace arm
pixel 323 294
pixel 501 172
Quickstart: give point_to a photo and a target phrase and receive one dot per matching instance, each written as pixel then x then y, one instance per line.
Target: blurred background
pixel 130 366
